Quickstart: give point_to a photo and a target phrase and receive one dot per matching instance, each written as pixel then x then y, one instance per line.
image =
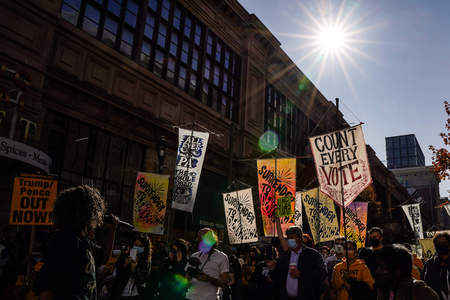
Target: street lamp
pixel 161 147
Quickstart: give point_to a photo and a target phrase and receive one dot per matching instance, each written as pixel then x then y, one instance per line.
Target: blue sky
pixel 397 75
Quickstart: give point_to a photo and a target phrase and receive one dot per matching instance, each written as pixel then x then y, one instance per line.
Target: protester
pixel 171 286
pixel 69 270
pixel 308 241
pixel 261 284
pixel 133 269
pixel 351 278
pixel 436 270
pixel 249 267
pixel 234 290
pixel 339 250
pixel 207 269
pixel 417 267
pixel 325 251
pixel 300 271
pixel 368 254
pixel 393 276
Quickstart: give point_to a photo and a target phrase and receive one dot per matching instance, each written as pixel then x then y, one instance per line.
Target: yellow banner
pixel 33 200
pixel 150 197
pixel 428 250
pixel 321 215
pixel 277 185
pixel 356 222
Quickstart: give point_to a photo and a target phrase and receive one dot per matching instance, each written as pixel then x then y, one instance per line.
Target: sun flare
pixel 332 38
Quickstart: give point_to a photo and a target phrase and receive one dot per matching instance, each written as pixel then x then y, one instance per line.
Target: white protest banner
pixel 298 210
pixel 240 216
pixel 412 212
pixel 341 155
pixel 191 153
pixel 447 208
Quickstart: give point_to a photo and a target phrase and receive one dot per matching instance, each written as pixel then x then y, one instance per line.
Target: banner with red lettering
pixel 341 155
pixel 277 185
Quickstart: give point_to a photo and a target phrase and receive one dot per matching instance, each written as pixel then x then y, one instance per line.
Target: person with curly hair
pixel 69 270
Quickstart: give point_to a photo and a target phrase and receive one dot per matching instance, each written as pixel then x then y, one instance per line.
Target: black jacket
pixel 312 274
pixel 432 273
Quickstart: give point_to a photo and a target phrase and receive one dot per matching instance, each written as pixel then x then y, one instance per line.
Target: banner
pixel 321 215
pixel 428 250
pixel 412 212
pixel 240 216
pixel 150 198
pixel 191 153
pixel 298 219
pixel 356 219
pixel 341 155
pixel 276 179
pixel 33 199
pixel 447 209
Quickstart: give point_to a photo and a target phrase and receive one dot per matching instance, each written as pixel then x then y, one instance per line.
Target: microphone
pixel 109 219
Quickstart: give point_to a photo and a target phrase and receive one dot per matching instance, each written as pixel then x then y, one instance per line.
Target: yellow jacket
pixel 358 271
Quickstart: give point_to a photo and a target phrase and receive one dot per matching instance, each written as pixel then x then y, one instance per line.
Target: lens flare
pixel 268 141
pixel 209 239
pixel 181 283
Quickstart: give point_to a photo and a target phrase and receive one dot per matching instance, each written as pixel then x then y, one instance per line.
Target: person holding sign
pixel 353 281
pixel 69 270
pixel 300 271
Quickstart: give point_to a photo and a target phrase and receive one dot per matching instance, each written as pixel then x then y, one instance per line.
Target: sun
pixel 332 39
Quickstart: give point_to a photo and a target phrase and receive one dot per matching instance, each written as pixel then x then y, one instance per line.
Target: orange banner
pixel 33 200
pixel 276 180
pixel 356 222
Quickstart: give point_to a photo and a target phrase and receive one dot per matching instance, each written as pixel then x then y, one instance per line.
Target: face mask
pixel 339 249
pixel 375 242
pixel 442 249
pixel 116 252
pixel 139 250
pixel 292 243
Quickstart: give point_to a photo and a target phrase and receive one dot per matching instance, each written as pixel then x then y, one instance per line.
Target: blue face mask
pixel 139 250
pixel 292 243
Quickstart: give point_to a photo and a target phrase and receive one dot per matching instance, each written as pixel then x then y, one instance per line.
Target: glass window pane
pixel 111 25
pixel 207 70
pixel 145 53
pixel 205 91
pixel 218 52
pixel 92 13
pixel 185 52
pixel 153 4
pixel 114 7
pixel 187 26
pixel 130 18
pixel 225 82
pixel 193 81
pixel 227 59
pixel 177 18
pixel 216 75
pixel 198 34
pixel 159 60
pixel 195 60
pixel 165 9
pixel 162 35
pixel 149 27
pixel 173 44
pixel 182 78
pixel 127 36
pixel 76 4
pixel 90 27
pixel 133 7
pixel 69 14
pixel 223 110
pixel 170 69
pixel 209 44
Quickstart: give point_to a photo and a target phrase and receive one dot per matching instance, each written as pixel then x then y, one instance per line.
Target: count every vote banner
pixel 341 155
pixel 240 217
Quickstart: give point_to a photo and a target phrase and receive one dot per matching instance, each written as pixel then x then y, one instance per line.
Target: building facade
pixel 403 151
pixel 109 78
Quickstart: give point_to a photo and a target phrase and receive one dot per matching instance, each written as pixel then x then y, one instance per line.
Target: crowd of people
pixel 78 262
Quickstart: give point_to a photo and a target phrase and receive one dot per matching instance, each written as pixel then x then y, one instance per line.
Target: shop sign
pixel 24 153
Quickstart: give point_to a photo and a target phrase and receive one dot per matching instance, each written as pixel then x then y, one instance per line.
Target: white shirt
pixel 214 267
pixel 130 289
pixel 291 282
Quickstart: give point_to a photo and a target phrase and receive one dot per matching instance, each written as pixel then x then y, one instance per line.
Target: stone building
pixel 109 78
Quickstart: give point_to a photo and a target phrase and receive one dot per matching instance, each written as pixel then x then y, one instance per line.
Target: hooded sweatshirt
pixel 358 271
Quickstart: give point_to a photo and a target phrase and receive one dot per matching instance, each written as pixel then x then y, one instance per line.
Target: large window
pixel 167 39
pixel 284 118
pixel 82 154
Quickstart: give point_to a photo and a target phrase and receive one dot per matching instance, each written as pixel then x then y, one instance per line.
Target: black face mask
pixel 442 249
pixel 375 242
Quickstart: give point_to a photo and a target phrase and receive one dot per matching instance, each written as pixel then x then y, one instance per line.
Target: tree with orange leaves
pixel 441 157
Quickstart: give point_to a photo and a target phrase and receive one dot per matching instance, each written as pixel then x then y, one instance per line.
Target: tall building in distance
pixel 403 151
